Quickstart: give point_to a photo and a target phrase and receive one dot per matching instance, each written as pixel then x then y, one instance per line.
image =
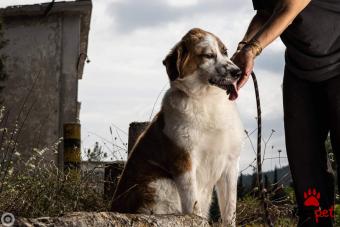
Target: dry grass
pixel 40 189
pixel 250 213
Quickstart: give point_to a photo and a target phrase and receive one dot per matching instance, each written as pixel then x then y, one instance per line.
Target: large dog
pixel 193 144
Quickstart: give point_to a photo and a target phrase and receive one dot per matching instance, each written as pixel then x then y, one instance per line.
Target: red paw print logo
pixel 311 198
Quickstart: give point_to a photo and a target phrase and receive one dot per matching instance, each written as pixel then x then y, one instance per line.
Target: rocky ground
pixel 99 219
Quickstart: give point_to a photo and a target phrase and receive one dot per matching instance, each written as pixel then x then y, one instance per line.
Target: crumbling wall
pixel 42 62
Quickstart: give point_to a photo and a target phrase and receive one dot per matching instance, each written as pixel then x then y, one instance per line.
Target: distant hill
pixel 283 176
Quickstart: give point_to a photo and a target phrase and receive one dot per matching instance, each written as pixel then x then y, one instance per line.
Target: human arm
pixel 264 28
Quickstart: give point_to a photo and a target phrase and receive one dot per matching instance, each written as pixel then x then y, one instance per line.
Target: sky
pixel 125 79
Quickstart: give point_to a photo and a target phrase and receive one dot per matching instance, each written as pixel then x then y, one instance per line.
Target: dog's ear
pixel 174 59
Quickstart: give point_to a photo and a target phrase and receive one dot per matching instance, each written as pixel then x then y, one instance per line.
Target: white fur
pixel 167 198
pixel 200 118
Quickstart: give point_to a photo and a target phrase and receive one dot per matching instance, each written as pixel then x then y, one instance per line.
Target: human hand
pixel 244 59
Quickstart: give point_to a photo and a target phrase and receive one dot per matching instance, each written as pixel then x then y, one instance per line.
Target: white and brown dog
pixel 193 144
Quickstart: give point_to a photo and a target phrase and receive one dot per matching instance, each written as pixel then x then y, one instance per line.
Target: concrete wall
pixel 42 63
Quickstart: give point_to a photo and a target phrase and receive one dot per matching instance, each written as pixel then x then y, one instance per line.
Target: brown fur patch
pixel 153 157
pixel 185 57
pixel 192 60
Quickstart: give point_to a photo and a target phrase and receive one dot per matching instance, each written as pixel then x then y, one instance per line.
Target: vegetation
pixel 96 154
pixel 39 188
pixel 34 186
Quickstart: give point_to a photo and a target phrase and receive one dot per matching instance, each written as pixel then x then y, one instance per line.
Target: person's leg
pixel 332 88
pixel 306 129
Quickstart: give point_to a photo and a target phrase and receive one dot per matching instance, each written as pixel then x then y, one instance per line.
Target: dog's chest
pixel 208 129
pixel 213 154
pixel 199 122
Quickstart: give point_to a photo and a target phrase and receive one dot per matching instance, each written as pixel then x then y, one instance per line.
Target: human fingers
pixel 248 68
pixel 242 81
pixel 245 61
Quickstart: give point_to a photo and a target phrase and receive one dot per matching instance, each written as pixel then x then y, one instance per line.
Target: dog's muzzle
pixel 229 82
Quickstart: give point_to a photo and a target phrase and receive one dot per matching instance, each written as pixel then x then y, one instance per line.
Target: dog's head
pixel 201 59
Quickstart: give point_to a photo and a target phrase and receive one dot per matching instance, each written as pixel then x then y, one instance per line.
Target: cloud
pixel 272 60
pixel 126 75
pixel 130 15
pixel 128 41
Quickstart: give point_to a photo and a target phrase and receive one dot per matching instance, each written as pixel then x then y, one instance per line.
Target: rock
pixel 98 219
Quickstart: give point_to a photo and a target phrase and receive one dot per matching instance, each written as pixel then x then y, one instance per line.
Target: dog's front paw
pixel 230 220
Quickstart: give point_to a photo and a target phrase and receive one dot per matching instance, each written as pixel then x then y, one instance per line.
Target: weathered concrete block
pixel 44 59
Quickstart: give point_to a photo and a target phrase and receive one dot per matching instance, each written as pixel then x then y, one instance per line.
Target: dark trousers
pixel 311 112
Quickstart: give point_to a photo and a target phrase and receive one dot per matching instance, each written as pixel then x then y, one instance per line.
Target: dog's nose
pixel 236 73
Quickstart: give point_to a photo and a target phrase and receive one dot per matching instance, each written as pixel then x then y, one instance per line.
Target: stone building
pixel 44 59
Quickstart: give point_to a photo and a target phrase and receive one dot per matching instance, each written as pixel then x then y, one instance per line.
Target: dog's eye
pixel 225 52
pixel 209 56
